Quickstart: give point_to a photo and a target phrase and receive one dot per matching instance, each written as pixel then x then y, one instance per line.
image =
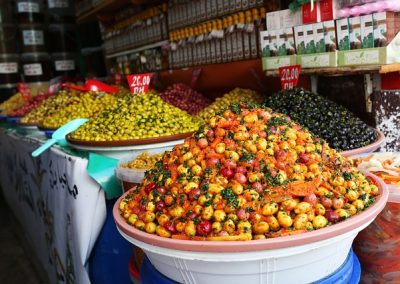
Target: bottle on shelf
pixel 235 38
pixel 223 40
pixel 240 25
pixel 248 30
pixel 255 42
pixel 229 39
pixel 261 27
pixel 218 41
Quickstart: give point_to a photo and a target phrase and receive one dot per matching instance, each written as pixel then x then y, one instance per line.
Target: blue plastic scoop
pixel 60 134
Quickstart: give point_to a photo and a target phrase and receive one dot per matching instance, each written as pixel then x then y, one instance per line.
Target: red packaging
pixel 378 247
pixel 308 15
pixel 328 9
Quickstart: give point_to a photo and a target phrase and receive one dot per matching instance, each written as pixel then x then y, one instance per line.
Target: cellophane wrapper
pixel 378 247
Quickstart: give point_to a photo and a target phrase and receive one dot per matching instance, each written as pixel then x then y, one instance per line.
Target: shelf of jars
pixel 127 51
pixel 216 79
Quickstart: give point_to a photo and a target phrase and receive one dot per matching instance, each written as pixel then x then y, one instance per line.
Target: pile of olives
pixel 137 117
pixel 326 119
pixel 144 161
pixel 14 102
pixel 235 95
pixel 83 106
pixel 50 106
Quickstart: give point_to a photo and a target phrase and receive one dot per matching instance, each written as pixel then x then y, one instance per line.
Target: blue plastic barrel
pixel 110 256
pixel 348 273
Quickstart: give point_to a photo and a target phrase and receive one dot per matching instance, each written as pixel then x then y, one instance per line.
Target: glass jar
pixel 9 67
pixel 64 64
pixel 62 38
pixel 8 38
pixel 61 11
pixel 6 12
pixel 36 67
pixel 32 38
pixel 30 11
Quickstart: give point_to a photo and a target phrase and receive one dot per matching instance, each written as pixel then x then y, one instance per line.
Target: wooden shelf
pixel 137 49
pixel 342 71
pixel 106 6
pixel 218 79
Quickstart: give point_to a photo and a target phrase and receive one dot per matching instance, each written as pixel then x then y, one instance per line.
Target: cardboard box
pixel 318 60
pixel 299 38
pixel 330 36
pixel 264 41
pixel 273 21
pixel 343 34
pixel 380 29
pixel 273 43
pixel 281 42
pixel 273 63
pixel 290 46
pixel 367 31
pixel 319 37
pixel 372 56
pixel 386 26
pixel 283 19
pixel 355 33
pixel 289 19
pixel 309 39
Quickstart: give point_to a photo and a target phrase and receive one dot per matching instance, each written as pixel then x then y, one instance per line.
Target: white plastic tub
pixel 133 177
pixel 299 264
pixel 301 258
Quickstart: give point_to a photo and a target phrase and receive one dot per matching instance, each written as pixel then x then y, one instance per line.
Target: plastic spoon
pixel 93 85
pixel 60 134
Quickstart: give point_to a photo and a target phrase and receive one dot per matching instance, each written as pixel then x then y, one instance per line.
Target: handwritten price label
pixel 139 83
pixel 23 89
pixel 289 76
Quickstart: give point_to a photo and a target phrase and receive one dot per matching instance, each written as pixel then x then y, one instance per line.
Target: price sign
pixel 23 89
pixel 139 83
pixel 117 78
pixel 289 76
pixel 55 85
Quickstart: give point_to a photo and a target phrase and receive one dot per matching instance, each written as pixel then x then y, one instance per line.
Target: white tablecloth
pixel 60 208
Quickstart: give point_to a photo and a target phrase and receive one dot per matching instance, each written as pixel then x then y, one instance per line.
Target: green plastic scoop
pixel 60 134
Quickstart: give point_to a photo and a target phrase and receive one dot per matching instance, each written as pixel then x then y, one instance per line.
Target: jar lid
pixel 35 56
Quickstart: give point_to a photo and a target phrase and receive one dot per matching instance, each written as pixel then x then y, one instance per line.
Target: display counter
pixel 59 207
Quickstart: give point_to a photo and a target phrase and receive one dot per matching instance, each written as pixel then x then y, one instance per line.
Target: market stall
pixel 60 208
pixel 218 146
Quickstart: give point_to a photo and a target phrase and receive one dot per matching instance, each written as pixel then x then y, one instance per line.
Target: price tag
pixel 55 85
pixel 289 76
pixel 117 78
pixel 139 83
pixel 23 89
